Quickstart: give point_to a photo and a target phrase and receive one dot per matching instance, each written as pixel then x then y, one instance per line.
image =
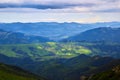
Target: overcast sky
pixel 83 11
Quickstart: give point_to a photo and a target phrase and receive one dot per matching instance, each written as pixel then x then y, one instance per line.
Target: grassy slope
pixel 13 73
pixel 51 49
pixel 43 51
pixel 113 74
pixel 48 50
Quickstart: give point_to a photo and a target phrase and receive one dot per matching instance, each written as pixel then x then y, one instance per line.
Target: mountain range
pixel 53 30
pixel 8 37
pixel 59 51
pixel 106 34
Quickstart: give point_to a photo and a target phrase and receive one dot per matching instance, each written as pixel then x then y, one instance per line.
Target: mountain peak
pixel 106 34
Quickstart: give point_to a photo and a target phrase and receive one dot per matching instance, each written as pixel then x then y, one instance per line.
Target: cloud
pixel 73 6
pixel 111 0
pixel 45 6
pixel 108 10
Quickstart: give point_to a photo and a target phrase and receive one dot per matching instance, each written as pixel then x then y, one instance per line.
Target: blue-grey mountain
pixel 54 30
pixel 98 34
pixel 8 37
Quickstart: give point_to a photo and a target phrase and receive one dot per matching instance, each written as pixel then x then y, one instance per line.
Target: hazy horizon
pixel 61 22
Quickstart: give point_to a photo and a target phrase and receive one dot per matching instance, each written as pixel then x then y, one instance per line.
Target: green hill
pixel 8 72
pixel 113 74
pixel 49 50
pixel 59 61
pixel 43 50
pixel 64 69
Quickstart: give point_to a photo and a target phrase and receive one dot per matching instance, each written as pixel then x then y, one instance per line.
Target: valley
pixel 89 54
pixel 61 60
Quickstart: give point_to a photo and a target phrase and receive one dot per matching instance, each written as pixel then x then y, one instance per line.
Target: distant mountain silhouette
pixel 54 30
pixel 7 37
pixel 98 34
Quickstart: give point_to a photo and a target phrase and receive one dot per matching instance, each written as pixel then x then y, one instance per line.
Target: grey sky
pixel 59 10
